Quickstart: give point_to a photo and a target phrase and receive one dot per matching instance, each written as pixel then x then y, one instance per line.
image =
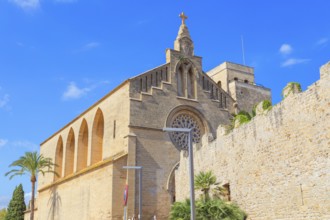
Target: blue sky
pixel 57 57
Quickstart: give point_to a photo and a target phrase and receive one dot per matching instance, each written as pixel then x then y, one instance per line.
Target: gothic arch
pixel 82 146
pixel 180 82
pixel 69 153
pixel 186 79
pixel 170 185
pixel 59 159
pixel 191 84
pixel 97 137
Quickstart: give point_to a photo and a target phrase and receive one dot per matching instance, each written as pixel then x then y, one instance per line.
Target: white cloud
pixel 27 4
pixel 74 92
pixel 294 61
pixel 3 142
pixel 4 100
pixel 286 49
pixel 322 41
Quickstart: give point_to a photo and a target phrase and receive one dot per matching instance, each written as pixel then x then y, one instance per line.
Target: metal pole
pixel 140 194
pixel 191 166
pixel 191 176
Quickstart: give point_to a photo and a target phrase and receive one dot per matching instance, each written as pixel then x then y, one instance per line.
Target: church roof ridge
pixel 162 65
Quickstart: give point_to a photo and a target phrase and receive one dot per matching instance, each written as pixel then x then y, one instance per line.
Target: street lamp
pixel 191 166
pixel 139 168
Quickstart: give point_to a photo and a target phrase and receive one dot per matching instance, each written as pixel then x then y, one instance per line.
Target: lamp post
pixel 191 166
pixel 139 168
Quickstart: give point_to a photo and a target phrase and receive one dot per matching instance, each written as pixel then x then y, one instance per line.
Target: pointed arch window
pixel 191 84
pixel 69 153
pixel 59 159
pixel 97 137
pixel 186 80
pixel 82 146
pixel 180 82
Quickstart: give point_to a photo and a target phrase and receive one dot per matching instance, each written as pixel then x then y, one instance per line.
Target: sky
pixel 58 57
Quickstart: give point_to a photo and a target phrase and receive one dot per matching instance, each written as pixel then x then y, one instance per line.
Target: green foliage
pixel 180 210
pixel 31 164
pixel 241 118
pixel 266 105
pixel 291 86
pixel 16 206
pixel 204 181
pixel 3 213
pixel 244 117
pixel 213 209
pixel 210 208
pixel 217 209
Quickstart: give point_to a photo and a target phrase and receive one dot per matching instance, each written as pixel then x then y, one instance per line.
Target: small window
pixel 235 79
pixel 226 193
pixel 219 84
pixel 246 81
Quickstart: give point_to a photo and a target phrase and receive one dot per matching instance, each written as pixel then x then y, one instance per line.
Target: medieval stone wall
pixel 277 165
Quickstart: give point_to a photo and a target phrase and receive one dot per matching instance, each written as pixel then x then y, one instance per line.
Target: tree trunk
pixel 32 200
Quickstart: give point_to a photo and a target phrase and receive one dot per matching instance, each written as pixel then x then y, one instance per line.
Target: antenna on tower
pixel 243 49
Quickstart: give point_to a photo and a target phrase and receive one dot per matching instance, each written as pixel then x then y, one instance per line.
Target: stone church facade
pixel 124 128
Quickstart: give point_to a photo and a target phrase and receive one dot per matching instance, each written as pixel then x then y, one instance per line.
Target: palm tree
pixel 204 181
pixel 32 164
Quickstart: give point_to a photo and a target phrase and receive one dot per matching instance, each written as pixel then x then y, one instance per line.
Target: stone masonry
pixel 287 146
pixel 277 165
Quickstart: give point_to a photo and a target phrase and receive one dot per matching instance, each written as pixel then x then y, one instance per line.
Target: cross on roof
pixel 183 17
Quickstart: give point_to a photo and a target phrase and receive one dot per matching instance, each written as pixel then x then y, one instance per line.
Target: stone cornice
pixel 86 170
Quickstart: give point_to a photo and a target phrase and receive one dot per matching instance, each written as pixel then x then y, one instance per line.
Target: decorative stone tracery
pixel 186 120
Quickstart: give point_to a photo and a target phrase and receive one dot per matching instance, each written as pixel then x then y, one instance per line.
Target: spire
pixel 183 42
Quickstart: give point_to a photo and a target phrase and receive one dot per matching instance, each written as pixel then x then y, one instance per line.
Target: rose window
pixel 181 138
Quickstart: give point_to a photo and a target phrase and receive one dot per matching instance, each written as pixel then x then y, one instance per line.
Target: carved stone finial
pixel 183 17
pixel 183 42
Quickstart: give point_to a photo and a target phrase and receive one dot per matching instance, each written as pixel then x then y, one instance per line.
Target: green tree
pixel 208 208
pixel 3 213
pixel 204 181
pixel 31 164
pixel 16 205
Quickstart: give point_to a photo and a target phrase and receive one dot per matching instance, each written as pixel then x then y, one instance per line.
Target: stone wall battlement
pixel 277 165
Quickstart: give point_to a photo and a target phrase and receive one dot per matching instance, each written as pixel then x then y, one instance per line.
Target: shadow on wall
pixel 54 203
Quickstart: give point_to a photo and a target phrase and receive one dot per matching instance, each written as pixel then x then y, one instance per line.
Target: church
pixel 125 128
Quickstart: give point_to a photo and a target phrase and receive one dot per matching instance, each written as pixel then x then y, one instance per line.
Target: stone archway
pixel 170 186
